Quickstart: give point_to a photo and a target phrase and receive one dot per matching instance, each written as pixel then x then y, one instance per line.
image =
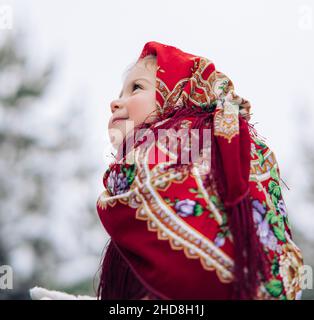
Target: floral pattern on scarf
pixel 188 203
pixel 118 178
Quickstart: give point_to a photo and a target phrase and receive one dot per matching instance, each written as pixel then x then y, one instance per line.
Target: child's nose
pixel 115 104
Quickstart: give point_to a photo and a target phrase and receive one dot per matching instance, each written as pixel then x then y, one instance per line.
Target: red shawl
pixel 177 233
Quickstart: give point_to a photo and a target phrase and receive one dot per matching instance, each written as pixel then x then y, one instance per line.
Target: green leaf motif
pixel 193 190
pixel 260 157
pixel 130 173
pixel 260 143
pixel 214 200
pixel 270 216
pixel 279 233
pixel 130 177
pixel 198 210
pixel 274 219
pixel 281 223
pixel 271 185
pixel 274 200
pixel 274 173
pixel 275 267
pixel 274 287
pixel 224 218
pixel 277 192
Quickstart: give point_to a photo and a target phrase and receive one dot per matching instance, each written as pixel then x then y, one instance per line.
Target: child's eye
pixel 135 86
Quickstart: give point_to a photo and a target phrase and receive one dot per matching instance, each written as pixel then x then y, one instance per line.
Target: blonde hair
pixel 149 60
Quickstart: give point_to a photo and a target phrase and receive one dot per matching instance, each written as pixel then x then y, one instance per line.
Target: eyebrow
pixel 120 95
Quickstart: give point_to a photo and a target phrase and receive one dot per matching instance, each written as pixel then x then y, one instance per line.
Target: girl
pixel 214 227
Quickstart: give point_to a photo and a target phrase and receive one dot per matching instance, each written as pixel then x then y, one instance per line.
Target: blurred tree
pixel 48 229
pixel 18 89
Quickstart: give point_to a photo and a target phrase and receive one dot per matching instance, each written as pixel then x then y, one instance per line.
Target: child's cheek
pixel 138 109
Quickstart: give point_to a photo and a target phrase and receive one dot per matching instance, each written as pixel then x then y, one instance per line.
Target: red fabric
pixel 174 66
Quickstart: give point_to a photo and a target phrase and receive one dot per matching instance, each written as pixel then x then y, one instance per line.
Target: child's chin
pixel 116 137
pixel 116 144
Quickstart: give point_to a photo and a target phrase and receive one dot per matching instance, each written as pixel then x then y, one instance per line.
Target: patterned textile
pixel 177 232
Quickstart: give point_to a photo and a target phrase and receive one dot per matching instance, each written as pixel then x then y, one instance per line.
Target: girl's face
pixel 136 103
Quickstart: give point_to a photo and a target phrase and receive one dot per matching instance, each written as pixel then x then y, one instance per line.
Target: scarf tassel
pixel 117 281
pixel 250 266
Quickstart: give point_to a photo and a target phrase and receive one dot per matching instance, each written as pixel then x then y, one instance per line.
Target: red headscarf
pixel 189 87
pixel 188 81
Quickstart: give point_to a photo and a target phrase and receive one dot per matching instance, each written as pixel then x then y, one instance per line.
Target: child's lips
pixel 118 119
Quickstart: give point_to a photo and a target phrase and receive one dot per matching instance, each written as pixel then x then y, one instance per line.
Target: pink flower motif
pixel 219 241
pixel 185 207
pixel 282 208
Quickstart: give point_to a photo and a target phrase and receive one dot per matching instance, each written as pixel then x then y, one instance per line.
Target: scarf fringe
pixel 251 266
pixel 117 281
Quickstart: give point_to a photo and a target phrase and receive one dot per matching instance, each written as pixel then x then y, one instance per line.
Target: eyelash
pixel 136 84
